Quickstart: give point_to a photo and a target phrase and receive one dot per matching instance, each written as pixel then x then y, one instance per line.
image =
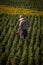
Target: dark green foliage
pixel 36 4
pixel 15 51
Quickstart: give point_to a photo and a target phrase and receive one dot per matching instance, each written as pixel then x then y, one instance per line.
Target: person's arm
pixel 18 29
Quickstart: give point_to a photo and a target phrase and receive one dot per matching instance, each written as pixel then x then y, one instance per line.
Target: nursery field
pixel 15 51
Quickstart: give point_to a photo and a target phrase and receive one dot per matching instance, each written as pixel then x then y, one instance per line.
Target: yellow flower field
pixel 12 10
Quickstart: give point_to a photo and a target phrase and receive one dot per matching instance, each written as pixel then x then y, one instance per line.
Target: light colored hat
pixel 21 16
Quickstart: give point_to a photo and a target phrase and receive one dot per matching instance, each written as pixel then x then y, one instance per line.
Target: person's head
pixel 21 16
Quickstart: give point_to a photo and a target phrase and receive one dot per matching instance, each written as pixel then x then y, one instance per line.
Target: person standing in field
pixel 23 25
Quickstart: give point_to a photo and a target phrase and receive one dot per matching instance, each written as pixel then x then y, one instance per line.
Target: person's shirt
pixel 23 23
